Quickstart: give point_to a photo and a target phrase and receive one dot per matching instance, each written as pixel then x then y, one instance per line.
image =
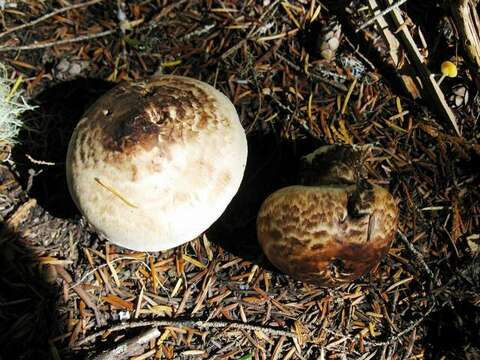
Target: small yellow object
pixel 449 69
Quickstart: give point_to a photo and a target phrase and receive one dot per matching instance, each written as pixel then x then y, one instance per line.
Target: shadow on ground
pixel 28 293
pixel 272 164
pixel 452 331
pixel 46 136
pixel 27 301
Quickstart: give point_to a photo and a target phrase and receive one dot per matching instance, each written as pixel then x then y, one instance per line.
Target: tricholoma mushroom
pixel 334 227
pixel 153 163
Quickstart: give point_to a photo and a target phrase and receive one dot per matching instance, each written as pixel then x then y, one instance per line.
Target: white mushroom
pixel 153 163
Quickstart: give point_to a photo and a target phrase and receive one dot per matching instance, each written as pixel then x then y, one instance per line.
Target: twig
pixel 189 323
pixel 198 32
pixel 128 348
pixel 59 42
pixel 413 325
pixel 410 346
pixel 47 16
pixel 392 339
pixel 418 256
pixel 356 50
pixel 314 76
pixel 81 293
pixel 82 279
pixel 150 26
pixel 40 162
pixel 380 14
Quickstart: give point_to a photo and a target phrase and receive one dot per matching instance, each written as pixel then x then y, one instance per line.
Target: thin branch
pixel 47 16
pixel 39 162
pixel 417 254
pixel 150 26
pixel 381 14
pixel 81 293
pixel 413 325
pixel 128 348
pixel 189 323
pixel 314 76
pixel 392 339
pixel 58 42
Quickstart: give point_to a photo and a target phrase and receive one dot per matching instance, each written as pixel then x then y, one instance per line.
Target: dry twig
pixel 417 255
pixel 129 347
pixel 381 14
pixel 47 16
pixel 45 45
pixel 189 323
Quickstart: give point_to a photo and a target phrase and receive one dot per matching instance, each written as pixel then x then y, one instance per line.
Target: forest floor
pixel 65 293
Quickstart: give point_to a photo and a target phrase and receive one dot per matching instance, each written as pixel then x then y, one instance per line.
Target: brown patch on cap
pixel 140 115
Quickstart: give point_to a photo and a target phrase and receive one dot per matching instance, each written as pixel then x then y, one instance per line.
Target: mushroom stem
pixel 441 79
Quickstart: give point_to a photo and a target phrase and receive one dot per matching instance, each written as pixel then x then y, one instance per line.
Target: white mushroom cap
pixel 153 163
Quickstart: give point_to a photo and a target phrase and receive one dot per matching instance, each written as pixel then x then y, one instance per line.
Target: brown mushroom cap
pixel 153 163
pixel 328 235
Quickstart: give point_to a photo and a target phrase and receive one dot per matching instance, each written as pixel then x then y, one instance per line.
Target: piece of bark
pixel 394 51
pixel 128 348
pixel 431 90
pixel 467 21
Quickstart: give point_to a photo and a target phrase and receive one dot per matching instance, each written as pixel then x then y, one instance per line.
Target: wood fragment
pixel 467 20
pixel 418 256
pixel 430 87
pixel 380 14
pixel 189 323
pixel 22 212
pixel 409 83
pixel 130 347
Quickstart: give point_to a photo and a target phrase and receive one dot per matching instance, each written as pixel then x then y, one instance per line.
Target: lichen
pixel 12 105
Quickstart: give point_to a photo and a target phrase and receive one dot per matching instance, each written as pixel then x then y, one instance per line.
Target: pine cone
pixel 329 38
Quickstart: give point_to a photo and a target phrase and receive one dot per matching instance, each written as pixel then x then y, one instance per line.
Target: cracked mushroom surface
pixel 153 163
pixel 332 231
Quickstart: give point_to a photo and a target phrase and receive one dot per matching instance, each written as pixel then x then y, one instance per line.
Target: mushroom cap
pixel 153 163
pixel 332 164
pixel 449 69
pixel 328 235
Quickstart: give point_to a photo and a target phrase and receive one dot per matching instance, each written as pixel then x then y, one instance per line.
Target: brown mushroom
pixel 153 163
pixel 333 228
